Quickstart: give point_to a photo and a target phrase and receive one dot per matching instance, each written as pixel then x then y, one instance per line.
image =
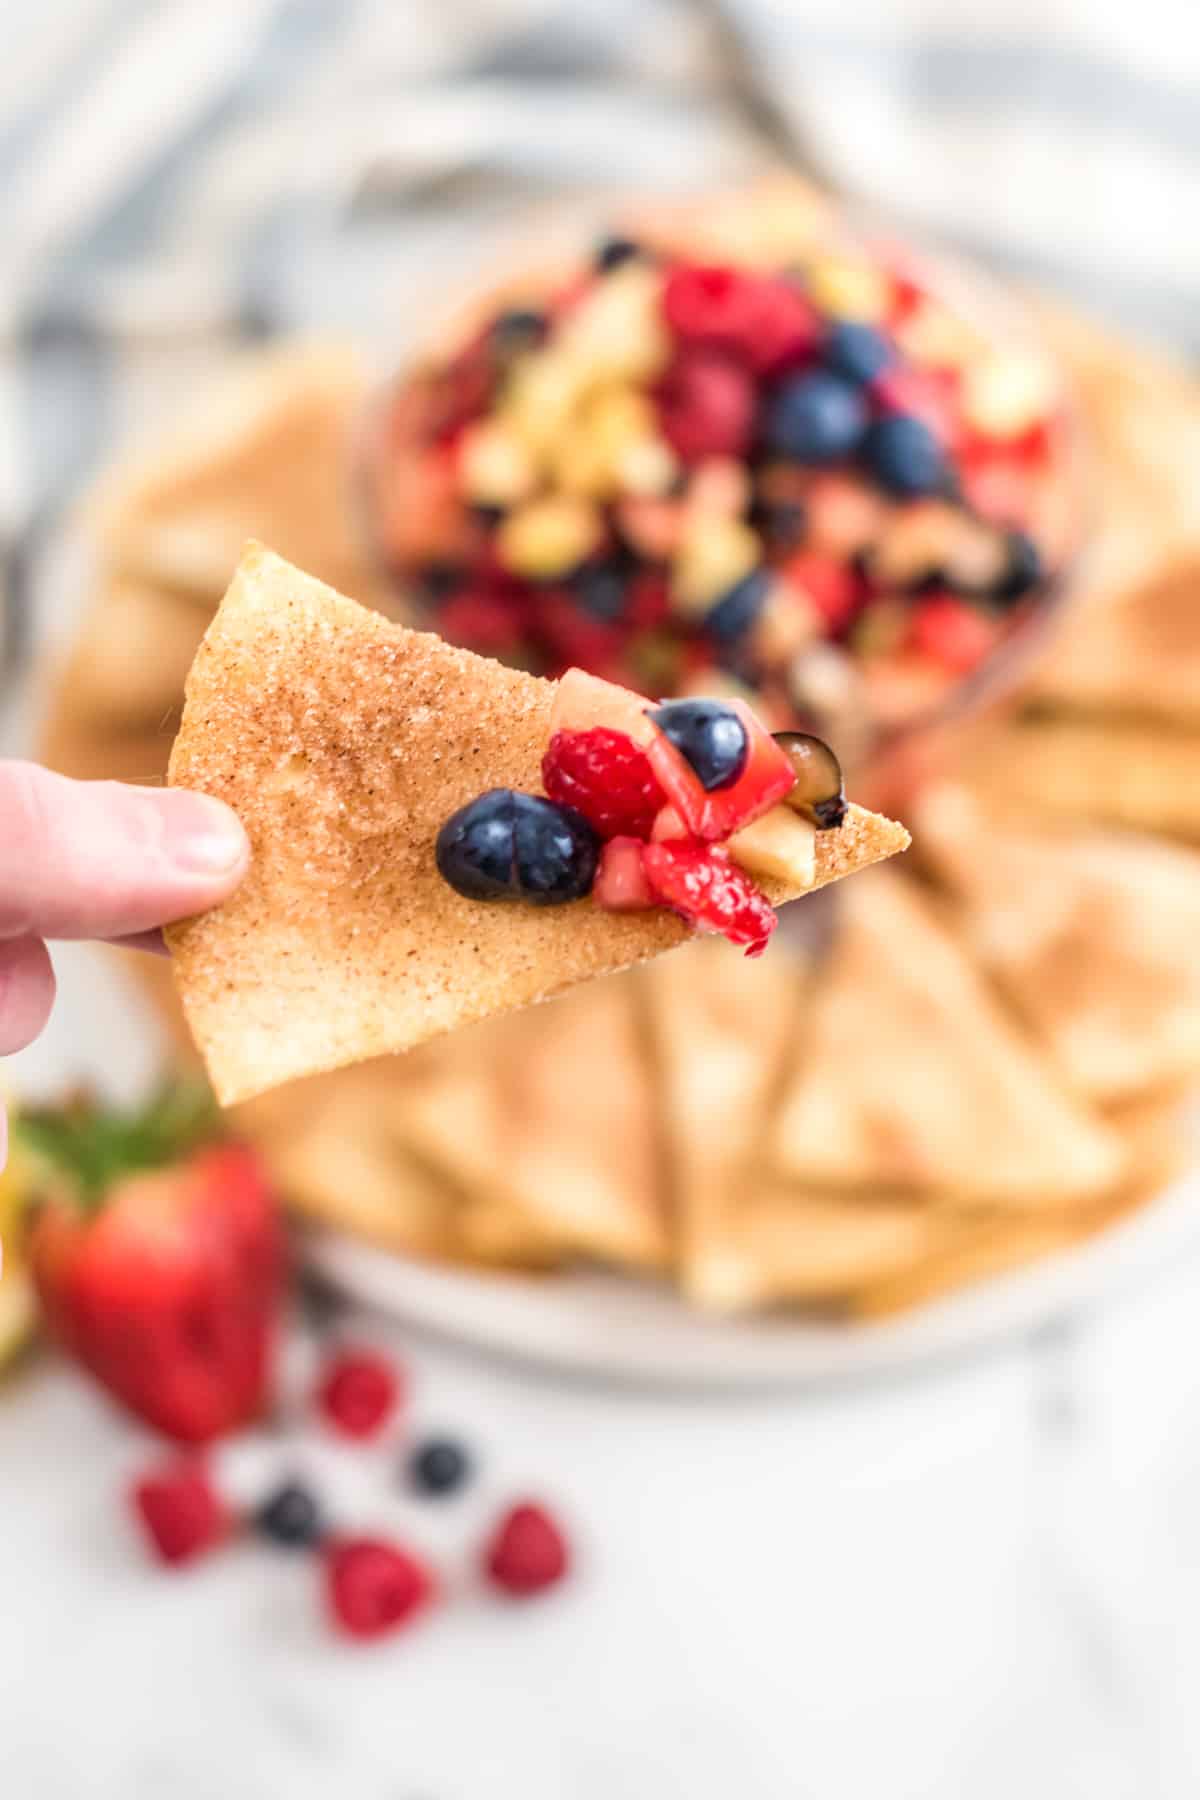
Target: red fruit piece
pixel 159 1264
pixel 481 622
pixel 702 884
pixel 951 633
pixel 358 1393
pixel 925 394
pixel 527 1552
pixel 766 778
pixel 709 304
pixel 786 330
pixel 180 1511
pixel 707 406
pixel 604 776
pixel 374 1588
pixel 621 884
pixel 830 583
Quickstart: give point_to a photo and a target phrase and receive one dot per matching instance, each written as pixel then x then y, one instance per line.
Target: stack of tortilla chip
pixel 982 1067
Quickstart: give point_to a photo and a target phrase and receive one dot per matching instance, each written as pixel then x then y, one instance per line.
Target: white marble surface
pixel 984 1582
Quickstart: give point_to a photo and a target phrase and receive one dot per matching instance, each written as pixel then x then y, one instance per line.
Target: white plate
pixel 637 1332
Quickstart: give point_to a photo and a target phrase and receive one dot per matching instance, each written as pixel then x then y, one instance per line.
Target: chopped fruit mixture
pixel 678 805
pixel 820 486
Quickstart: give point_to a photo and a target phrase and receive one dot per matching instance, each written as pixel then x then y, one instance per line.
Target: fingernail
pixel 203 836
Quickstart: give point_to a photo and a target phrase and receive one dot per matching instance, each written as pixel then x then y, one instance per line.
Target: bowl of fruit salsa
pixel 746 451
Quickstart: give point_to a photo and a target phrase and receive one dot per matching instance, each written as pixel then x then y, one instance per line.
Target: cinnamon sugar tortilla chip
pixel 1090 934
pixel 267 455
pixel 550 1117
pixel 914 1079
pixel 721 1028
pixel 344 743
pixel 1115 771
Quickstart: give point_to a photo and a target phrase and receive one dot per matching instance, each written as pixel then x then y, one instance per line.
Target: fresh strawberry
pixel 702 884
pixel 716 813
pixel 604 775
pixel 159 1258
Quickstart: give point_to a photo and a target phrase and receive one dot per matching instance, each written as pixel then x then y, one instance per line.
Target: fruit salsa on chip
pixel 817 485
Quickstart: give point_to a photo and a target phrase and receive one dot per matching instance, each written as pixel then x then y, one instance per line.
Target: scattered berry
pixel 180 1511
pixel 857 352
pixel 506 846
pixel 291 1517
pixel 611 252
pixel 527 1552
pixel 707 407
pixel 604 776
pixel 439 1466
pixel 709 736
pixel 702 884
pixel 374 1588
pixel 358 1393
pixel 905 456
pixel 816 418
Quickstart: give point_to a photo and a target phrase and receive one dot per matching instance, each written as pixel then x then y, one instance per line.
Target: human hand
pixel 96 859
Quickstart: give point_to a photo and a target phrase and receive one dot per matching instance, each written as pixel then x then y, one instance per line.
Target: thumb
pixel 98 859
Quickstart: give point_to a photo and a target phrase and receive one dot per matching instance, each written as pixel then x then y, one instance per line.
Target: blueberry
pixel 521 328
pixel 602 590
pixel 508 846
pixel 707 735
pixel 1025 570
pixel 858 352
pixel 438 1466
pixel 816 418
pixel 905 457
pixel 555 852
pixel 735 612
pixel 611 252
pixel 291 1517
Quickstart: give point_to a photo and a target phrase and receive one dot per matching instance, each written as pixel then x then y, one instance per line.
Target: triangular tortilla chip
pixel 269 456
pixel 344 743
pixel 914 1079
pixel 1132 774
pixel 721 1028
pixel 1091 935
pixel 551 1116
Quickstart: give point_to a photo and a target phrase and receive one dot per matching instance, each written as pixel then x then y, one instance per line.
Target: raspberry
pixel 373 1588
pixel 358 1393
pixel 951 633
pixel 603 775
pixel 699 882
pixel 180 1511
pixel 707 406
pixel 527 1551
pixel 761 318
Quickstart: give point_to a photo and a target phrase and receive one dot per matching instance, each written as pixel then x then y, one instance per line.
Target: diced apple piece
pixel 781 845
pixel 584 701
pixel 621 884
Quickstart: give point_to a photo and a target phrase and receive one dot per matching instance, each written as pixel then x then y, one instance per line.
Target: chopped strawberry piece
pixel 582 701
pixel 707 406
pixel 527 1552
pixel 715 815
pixel 358 1393
pixel 702 884
pixel 180 1511
pixel 830 583
pixel 605 776
pixel 621 884
pixel 373 1588
pixel 951 633
pixel 668 825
